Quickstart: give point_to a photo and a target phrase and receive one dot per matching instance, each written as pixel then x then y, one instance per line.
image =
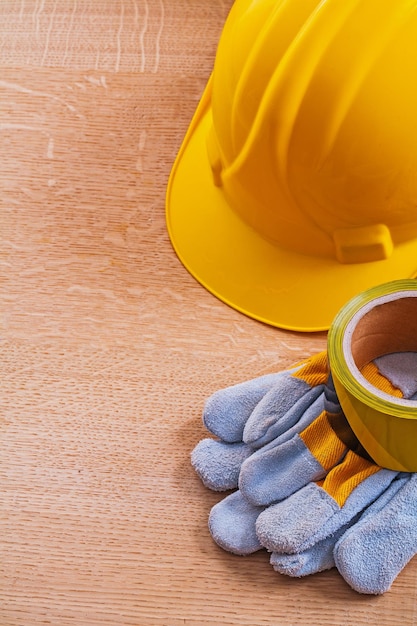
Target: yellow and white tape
pixel 379 321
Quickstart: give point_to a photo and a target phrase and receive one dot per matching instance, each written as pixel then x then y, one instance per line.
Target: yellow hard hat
pixel 296 184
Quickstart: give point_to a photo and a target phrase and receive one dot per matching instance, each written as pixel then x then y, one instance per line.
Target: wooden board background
pixel 109 347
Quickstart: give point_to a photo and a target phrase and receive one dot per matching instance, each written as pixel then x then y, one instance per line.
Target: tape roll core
pixel 390 325
pixel 380 321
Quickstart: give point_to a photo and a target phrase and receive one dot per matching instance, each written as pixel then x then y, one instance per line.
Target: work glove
pixel 371 550
pixel 300 489
pixel 319 524
pixel 374 550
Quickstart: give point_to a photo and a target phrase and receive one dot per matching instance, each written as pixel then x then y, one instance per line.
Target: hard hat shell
pixel 296 184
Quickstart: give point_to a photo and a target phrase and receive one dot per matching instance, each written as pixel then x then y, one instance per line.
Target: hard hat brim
pixel 246 271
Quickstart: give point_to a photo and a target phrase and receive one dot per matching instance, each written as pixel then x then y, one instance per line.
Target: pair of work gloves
pixel 303 486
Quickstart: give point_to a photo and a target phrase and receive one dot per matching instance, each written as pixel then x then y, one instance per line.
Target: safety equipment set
pixel 318 483
pixel 296 183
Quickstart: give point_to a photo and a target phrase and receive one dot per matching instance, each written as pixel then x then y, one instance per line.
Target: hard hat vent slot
pixel 364 244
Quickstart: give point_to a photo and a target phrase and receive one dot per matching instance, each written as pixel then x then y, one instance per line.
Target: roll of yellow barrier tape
pixel 379 321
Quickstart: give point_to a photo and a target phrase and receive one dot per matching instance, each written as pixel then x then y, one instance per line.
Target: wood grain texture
pixel 109 347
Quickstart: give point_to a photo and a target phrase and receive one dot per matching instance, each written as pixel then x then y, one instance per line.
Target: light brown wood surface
pixel 110 348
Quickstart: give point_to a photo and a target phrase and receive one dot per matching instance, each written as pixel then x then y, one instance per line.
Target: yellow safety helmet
pixel 296 185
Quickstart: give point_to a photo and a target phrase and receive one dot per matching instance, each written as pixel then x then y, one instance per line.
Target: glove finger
pixel 372 553
pixel 283 406
pixel 316 559
pixel 282 467
pixel 279 410
pixel 218 464
pixel 315 512
pixel 227 410
pixel 232 524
